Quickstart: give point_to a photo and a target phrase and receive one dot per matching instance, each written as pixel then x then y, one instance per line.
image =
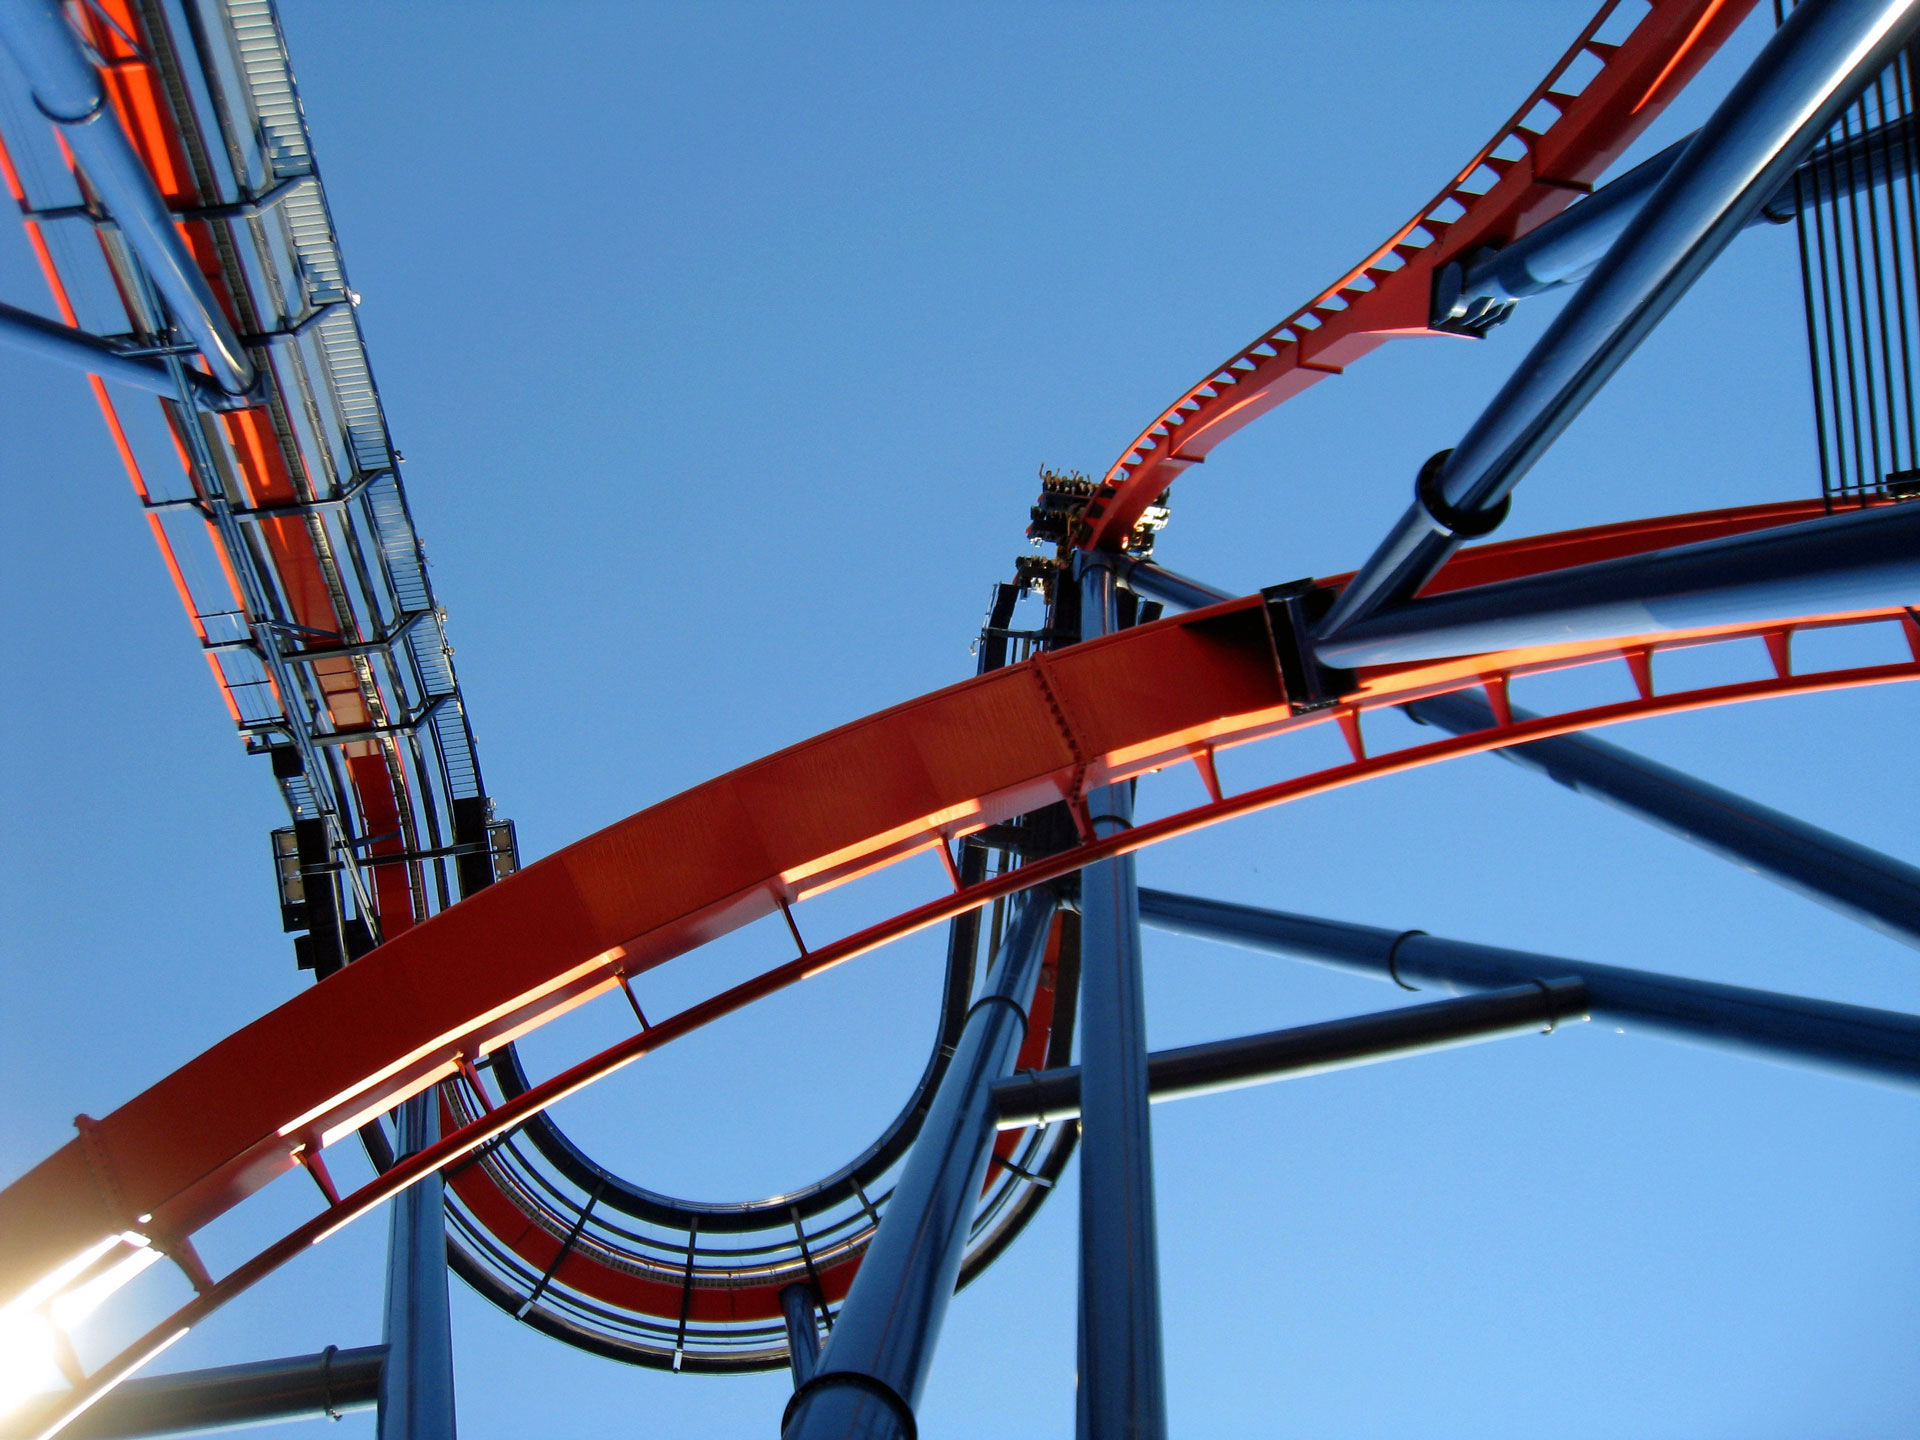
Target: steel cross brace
pixel 1849 1039
pixel 1860 883
pixel 1767 125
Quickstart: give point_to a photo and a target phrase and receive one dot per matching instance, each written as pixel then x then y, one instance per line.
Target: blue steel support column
pixel 1847 1039
pixel 416 1387
pixel 1774 115
pixel 1122 1394
pixel 875 1364
pixel 67 92
pixel 803 1332
pixel 1561 252
pixel 1861 884
pixel 1862 560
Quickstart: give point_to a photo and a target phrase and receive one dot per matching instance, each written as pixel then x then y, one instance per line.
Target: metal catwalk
pixel 162 166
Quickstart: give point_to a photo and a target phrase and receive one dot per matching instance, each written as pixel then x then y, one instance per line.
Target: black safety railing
pixel 1858 218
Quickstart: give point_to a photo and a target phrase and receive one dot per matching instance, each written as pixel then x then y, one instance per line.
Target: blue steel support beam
pixel 67 91
pixel 260 1392
pixel 50 340
pixel 1122 1392
pixel 1147 579
pixel 416 1387
pixel 1861 560
pixel 803 1332
pixel 1561 252
pixel 1769 122
pixel 876 1361
pixel 1847 1039
pixel 1564 251
pixel 1044 1096
pixel 1862 884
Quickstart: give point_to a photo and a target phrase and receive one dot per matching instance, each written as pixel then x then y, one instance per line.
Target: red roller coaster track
pixel 907 781
pixel 768 835
pixel 270 469
pixel 1558 143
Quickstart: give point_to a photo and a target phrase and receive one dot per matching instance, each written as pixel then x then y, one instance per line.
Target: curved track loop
pixel 218 1154
pixel 746 1292
pixel 1588 108
pixel 499 1201
pixel 804 820
pixel 830 810
pixel 1542 160
pixel 273 473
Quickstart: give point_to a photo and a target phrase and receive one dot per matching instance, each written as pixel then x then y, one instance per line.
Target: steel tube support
pixel 1847 1039
pixel 416 1390
pixel 1155 582
pixel 1042 1097
pixel 1861 560
pixel 79 350
pixel 258 1393
pixel 803 1332
pixel 876 1360
pixel 67 91
pixel 1766 126
pixel 1122 1392
pixel 1860 883
pixel 1564 250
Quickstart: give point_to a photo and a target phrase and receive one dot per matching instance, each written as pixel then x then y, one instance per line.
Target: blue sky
pixel 723 344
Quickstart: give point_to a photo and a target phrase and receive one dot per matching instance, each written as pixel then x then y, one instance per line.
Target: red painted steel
pixel 268 464
pixel 747 1303
pixel 843 804
pixel 1388 294
pixel 63 303
pixel 707 861
pixel 1376 300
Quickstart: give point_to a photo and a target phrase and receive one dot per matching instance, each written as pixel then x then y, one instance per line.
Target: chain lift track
pixel 277 505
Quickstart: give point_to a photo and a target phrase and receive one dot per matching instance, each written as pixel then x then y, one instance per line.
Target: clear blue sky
pixel 723 343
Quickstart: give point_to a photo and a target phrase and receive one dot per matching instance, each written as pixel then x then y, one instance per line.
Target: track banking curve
pixel 817 815
pixel 826 812
pixel 1594 102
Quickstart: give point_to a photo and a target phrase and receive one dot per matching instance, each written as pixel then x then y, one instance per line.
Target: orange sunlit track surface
pixel 1553 150
pixel 266 463
pixel 709 860
pixel 893 785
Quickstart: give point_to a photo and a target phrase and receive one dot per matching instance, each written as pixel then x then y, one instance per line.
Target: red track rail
pixel 1386 295
pixel 267 462
pixel 861 797
pixel 1492 201
pixel 591 1278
